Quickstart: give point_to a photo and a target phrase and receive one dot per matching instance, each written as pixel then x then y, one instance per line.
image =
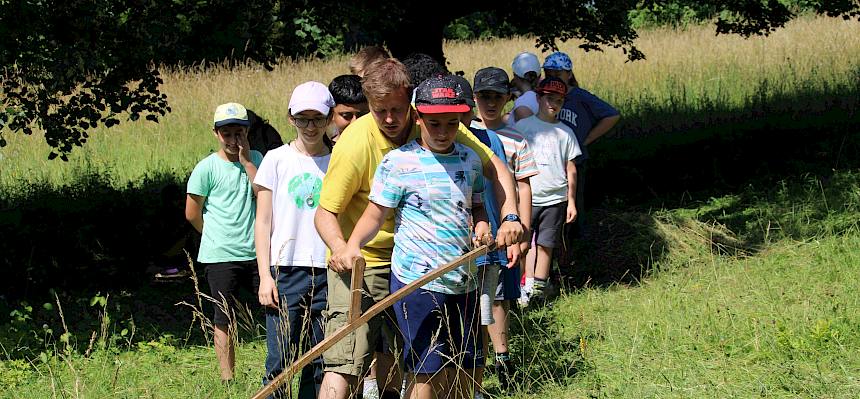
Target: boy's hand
pixel 482 234
pixel 244 148
pixel 268 292
pixel 514 254
pixel 341 261
pixel 571 212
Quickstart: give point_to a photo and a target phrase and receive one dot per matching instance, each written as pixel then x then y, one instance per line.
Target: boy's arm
pixel 194 211
pixel 268 292
pixel 601 128
pixel 496 170
pixel 509 233
pixel 365 229
pixel 571 191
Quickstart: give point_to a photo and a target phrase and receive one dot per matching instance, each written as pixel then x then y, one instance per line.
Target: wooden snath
pixel 356 318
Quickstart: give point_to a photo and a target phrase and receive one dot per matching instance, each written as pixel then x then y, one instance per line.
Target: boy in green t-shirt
pixel 220 205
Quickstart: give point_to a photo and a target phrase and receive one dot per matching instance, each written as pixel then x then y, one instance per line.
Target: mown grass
pixel 689 72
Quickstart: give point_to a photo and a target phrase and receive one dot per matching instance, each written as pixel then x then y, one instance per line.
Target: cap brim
pixel 497 89
pixel 442 108
pixel 549 92
pixel 225 122
pixel 309 106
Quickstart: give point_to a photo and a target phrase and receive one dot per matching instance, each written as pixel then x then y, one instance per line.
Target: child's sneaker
pixel 523 300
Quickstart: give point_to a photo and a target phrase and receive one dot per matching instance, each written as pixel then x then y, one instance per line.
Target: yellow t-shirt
pixel 347 182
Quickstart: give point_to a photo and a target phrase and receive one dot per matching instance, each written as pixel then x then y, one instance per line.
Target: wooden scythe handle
pixel 356 320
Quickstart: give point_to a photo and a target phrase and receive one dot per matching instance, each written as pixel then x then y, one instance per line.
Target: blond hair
pixel 384 77
pixel 363 58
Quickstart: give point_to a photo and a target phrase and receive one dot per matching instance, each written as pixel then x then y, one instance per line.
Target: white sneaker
pixel 523 300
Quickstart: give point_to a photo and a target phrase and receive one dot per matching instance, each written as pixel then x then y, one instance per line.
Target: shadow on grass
pixel 90 240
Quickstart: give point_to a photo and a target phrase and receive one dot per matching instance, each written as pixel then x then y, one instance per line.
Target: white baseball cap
pixel 311 96
pixel 525 62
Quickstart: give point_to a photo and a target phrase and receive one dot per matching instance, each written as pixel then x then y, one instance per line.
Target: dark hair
pixel 261 135
pixel 422 67
pixel 346 89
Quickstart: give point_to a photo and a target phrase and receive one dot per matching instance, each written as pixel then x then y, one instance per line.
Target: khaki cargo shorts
pixel 353 354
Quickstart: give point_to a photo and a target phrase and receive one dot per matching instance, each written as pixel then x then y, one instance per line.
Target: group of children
pixel 442 202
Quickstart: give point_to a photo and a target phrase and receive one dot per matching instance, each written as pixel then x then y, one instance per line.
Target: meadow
pixel 687 72
pixel 721 262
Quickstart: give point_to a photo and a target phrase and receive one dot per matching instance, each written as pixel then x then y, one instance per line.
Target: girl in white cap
pixel 526 67
pixel 290 253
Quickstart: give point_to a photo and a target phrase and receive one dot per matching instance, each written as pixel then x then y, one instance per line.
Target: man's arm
pixel 571 192
pixel 329 230
pixel 194 211
pixel 601 128
pixel 268 291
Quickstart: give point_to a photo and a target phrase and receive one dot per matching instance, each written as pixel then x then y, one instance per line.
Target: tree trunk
pixel 418 35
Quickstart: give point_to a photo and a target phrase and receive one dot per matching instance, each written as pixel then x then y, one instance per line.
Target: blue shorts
pixel 439 330
pixel 509 283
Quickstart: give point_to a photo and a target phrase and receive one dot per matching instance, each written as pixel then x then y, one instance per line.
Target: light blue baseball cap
pixel 558 61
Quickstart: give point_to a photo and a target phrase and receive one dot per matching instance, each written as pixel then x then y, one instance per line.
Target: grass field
pixel 698 288
pixel 779 321
pixel 686 71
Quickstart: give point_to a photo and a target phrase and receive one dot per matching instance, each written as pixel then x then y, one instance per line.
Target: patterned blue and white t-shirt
pixel 433 194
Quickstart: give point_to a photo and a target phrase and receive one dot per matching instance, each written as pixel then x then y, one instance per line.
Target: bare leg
pixel 337 386
pixel 428 386
pixel 529 266
pixel 224 351
pixel 499 330
pixel 388 376
pixel 542 263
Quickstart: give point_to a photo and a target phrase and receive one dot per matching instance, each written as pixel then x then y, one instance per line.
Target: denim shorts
pixel 439 330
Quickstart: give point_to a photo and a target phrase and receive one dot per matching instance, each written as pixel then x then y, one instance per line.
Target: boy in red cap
pixel 554 187
pixel 436 187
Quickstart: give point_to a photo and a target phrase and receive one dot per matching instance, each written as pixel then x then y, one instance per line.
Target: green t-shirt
pixel 228 211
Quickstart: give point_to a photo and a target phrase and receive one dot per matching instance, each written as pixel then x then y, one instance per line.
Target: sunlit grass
pixel 685 70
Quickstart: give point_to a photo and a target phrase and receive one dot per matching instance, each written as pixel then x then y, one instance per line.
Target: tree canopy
pixel 70 66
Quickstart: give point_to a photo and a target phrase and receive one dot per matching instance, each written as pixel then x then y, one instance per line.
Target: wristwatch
pixel 512 217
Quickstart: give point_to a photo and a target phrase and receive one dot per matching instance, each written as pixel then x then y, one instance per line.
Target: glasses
pixel 350 115
pixel 304 122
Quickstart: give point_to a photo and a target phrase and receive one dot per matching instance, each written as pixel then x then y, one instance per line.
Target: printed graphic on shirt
pixel 305 190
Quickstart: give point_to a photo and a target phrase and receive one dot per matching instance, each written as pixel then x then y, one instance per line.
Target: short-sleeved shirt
pixel 518 154
pixel 554 144
pixel 347 183
pixel 228 210
pixel 490 139
pixel 433 194
pixel 581 111
pixel 295 180
pixel 527 99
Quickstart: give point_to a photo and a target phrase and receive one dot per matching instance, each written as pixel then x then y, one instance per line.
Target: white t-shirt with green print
pixel 295 180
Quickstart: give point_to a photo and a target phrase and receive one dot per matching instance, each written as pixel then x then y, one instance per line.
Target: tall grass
pixel 688 69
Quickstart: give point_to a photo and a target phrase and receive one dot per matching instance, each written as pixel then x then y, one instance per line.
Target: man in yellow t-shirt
pixel 344 196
